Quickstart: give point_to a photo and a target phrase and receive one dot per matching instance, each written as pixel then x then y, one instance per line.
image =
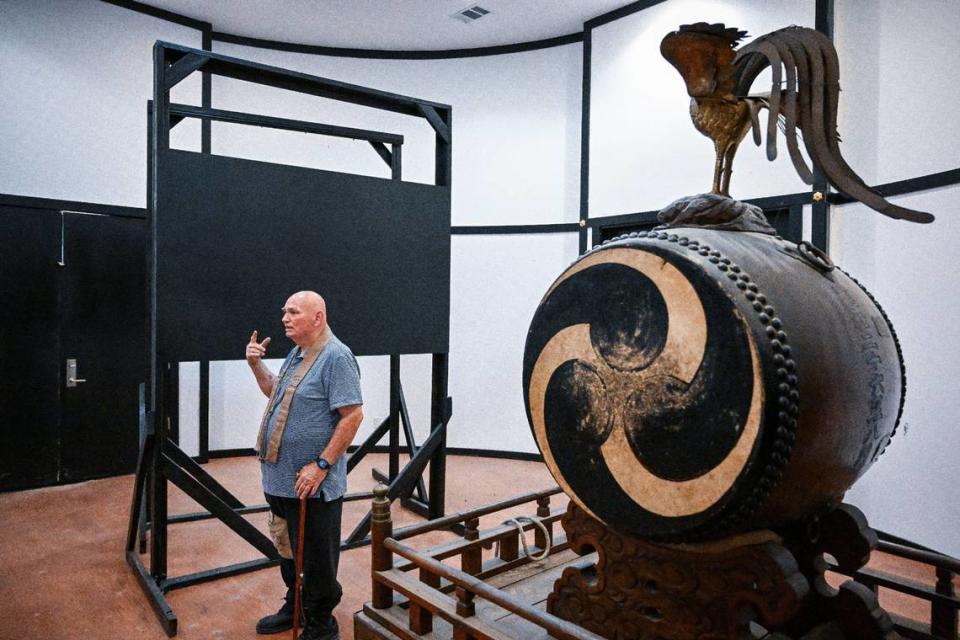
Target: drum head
pixel 644 391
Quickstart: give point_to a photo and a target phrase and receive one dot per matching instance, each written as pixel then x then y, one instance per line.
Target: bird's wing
pixel 809 100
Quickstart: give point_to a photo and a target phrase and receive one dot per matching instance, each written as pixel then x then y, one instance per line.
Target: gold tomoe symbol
pixel 680 358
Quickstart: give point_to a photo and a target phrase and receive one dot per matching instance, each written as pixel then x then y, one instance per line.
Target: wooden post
pixel 381 528
pixel 943 619
pixel 510 546
pixel 421 620
pixel 471 560
pixel 465 609
pixel 543 511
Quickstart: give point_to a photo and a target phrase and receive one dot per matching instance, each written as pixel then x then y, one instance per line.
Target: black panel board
pixel 30 362
pixel 103 326
pixel 235 237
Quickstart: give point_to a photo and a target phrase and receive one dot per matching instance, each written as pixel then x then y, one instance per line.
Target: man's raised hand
pixel 255 350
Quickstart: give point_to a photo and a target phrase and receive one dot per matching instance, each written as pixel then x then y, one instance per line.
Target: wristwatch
pixel 322 463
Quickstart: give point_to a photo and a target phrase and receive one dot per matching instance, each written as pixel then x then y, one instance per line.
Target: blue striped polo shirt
pixel 332 382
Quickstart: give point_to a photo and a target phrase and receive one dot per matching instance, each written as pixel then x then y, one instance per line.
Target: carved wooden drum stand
pixel 705 386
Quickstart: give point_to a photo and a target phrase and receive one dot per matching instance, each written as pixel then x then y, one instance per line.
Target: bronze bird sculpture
pixel 804 96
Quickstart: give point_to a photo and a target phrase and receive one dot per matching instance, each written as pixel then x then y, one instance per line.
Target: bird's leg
pixel 728 154
pixel 717 169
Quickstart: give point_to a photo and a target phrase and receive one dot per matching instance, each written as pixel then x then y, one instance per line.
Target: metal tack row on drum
pixel 690 383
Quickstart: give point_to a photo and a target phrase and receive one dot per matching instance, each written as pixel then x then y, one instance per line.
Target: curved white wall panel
pixel 644 151
pixel 516 122
pixel 497 283
pixel 75 78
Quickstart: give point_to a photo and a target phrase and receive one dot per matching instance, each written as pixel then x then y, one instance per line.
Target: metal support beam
pixel 394 455
pixel 441 408
pixel 585 140
pixel 368 444
pixel 820 219
pixel 219 508
pixel 179 457
pixel 383 152
pixel 203 413
pixel 182 68
pixel 162 608
pixel 302 126
pixel 435 121
pixel 220 572
pixel 403 484
pixel 206 94
pixel 411 442
pixel 396 166
pixel 139 483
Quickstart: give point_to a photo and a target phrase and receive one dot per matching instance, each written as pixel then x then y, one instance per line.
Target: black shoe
pixel 321 630
pixel 282 620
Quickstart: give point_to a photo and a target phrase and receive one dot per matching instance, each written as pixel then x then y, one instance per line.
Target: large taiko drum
pixel 688 384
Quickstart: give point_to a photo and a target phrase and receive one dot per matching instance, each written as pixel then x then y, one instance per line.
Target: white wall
pixel 497 283
pixel 516 121
pixel 75 78
pixel 644 151
pixel 898 120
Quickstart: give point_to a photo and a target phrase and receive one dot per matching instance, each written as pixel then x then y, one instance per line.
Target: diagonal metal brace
pixel 218 507
pixel 368 444
pixel 404 482
pixel 140 480
pixel 382 151
pixel 435 121
pixel 182 68
pixel 411 443
pixel 179 456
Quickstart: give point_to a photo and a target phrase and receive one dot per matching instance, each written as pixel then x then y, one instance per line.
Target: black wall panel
pixel 30 360
pixel 236 237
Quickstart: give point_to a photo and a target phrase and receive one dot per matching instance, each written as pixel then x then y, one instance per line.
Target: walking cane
pixel 298 581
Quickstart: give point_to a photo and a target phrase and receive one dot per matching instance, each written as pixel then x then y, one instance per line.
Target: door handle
pixel 72 379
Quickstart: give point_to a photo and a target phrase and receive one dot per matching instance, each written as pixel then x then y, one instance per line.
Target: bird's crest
pixel 731 34
pixel 804 95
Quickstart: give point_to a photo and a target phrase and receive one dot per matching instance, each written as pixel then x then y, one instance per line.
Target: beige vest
pixel 272 451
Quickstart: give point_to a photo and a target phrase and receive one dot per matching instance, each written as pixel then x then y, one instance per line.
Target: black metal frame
pixel 160 458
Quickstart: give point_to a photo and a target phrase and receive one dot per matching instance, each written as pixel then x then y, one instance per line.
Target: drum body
pixel 688 384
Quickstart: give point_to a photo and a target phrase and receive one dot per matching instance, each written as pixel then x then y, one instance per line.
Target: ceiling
pixel 406 25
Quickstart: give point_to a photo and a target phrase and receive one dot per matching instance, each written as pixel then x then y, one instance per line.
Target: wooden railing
pixel 409 604
pixel 427 595
pixel 942 596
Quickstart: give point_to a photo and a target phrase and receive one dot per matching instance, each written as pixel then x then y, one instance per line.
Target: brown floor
pixel 63 576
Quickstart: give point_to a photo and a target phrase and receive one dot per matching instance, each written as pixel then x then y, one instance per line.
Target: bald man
pixel 314 411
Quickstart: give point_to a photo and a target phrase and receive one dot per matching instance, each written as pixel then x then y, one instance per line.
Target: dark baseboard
pixel 475 453
pixel 231 453
pixel 453 451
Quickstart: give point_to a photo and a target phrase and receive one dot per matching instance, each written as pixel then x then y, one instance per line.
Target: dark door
pixel 29 347
pixel 103 333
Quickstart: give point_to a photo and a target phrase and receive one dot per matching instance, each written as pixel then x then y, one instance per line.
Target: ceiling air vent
pixel 471 14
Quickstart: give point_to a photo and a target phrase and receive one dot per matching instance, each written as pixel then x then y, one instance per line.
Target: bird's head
pixel 703 54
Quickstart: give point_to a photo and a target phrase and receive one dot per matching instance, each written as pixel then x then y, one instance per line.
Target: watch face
pixel 323 464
